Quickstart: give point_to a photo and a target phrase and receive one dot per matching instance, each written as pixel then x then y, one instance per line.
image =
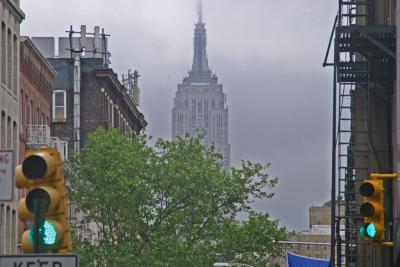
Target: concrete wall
pixel 320 215
pixel 383 12
pixel 10 19
pixel 371 129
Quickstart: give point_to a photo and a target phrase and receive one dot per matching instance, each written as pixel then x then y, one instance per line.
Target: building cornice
pixel 111 76
pixel 37 53
pixel 15 10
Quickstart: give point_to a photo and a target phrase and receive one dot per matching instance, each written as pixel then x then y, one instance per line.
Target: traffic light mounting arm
pixel 383 176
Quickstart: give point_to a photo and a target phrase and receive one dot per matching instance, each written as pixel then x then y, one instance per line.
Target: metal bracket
pixel 325 63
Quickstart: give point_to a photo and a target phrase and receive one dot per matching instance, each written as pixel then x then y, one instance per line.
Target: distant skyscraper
pixel 200 103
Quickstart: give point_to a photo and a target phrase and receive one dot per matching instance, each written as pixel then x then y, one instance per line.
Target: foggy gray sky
pixel 268 56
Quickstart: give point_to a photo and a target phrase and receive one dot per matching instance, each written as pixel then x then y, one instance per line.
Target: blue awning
pixel 294 260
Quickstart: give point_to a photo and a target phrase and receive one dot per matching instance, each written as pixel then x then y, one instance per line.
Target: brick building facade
pixel 37 82
pixel 87 94
pixel 103 101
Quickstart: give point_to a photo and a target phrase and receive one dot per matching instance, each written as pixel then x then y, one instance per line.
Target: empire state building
pixel 200 103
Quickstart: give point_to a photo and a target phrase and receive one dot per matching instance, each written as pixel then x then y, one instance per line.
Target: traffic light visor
pixel 39 165
pixel 48 195
pixel 371 188
pixel 370 209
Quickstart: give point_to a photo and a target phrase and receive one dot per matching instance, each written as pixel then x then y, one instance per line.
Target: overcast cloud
pixel 268 56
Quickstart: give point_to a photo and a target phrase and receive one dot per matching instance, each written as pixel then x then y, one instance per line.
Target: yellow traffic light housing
pixel 41 174
pixel 372 209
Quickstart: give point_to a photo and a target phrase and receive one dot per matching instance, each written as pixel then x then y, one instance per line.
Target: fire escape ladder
pixel 364 59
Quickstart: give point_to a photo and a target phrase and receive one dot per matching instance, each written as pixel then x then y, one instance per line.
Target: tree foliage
pixel 168 204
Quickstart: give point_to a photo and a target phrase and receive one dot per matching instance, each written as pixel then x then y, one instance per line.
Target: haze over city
pixel 296 105
pixel 268 56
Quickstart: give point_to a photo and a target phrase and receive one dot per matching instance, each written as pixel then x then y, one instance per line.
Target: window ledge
pixel 59 121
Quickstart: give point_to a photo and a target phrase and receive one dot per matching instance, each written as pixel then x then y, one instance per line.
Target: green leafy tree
pixel 167 205
pixel 252 242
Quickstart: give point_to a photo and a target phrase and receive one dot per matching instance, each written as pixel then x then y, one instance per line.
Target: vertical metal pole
pixel 38 228
pixel 396 153
pixel 338 245
pixel 70 41
pixel 333 189
pixel 77 104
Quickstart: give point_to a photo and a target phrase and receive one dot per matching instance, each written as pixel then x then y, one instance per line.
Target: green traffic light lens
pixel 371 230
pixel 49 234
pixel 367 230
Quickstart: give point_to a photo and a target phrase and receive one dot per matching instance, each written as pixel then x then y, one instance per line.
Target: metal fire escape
pixel 39 136
pixel 363 61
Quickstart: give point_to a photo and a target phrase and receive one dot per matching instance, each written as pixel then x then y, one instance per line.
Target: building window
pixel 111 112
pixel 3 130
pixel 9 60
pixel 15 136
pixel 3 53
pixel 21 111
pixel 59 106
pixel 15 69
pixel 13 231
pixel 8 230
pixel 105 108
pixel 29 112
pixel 319 219
pixel 9 133
pixel 26 112
pixel 38 122
pixel 2 228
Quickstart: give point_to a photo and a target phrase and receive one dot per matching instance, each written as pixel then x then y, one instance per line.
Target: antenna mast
pixel 200 10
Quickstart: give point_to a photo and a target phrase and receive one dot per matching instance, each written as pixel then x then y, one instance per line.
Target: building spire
pixel 200 11
pixel 200 67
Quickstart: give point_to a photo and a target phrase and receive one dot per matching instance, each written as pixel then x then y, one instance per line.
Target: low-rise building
pixel 87 92
pixel 87 95
pixel 314 242
pixel 37 82
pixel 103 102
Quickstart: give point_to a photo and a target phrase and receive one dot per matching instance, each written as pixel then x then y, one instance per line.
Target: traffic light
pixel 373 207
pixel 41 173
